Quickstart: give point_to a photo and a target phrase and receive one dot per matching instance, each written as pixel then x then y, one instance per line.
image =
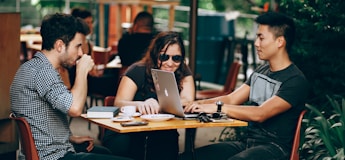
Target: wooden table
pixel 30 38
pixel 34 47
pixel 176 123
pixel 30 43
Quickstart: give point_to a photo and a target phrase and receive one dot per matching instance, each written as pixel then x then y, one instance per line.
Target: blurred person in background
pixel 133 45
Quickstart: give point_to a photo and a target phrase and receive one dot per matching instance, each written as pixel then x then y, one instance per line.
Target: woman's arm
pixel 187 93
pixel 125 95
pixel 126 92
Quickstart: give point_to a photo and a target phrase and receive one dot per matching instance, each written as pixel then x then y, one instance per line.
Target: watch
pixel 219 106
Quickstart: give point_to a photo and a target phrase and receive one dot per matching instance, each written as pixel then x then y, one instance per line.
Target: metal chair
pixel 229 85
pixel 295 145
pixel 26 139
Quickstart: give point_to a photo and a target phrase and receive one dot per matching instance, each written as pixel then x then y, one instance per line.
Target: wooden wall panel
pixel 9 63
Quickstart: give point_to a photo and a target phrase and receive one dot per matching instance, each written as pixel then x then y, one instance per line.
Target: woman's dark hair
pixel 160 44
pixel 61 26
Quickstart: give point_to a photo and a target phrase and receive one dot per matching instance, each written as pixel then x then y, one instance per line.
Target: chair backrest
pixel 231 79
pixel 26 139
pixel 109 100
pixel 295 145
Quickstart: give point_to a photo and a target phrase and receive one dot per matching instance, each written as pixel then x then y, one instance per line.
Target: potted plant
pixel 324 136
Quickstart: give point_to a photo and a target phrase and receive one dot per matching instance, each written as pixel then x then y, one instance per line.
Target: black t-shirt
pixel 160 144
pixel 132 47
pixel 136 72
pixel 288 84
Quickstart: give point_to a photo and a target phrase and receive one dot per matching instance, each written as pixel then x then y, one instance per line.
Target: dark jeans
pixel 90 156
pixel 154 145
pixel 239 150
pixel 117 143
pixel 97 153
pixel 96 149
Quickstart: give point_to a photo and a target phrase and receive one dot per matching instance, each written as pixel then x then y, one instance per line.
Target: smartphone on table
pixel 136 123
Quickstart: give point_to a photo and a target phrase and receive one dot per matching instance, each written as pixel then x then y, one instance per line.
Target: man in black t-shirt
pixel 275 94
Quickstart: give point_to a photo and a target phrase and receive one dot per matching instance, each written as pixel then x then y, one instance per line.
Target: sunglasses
pixel 175 58
pixel 204 117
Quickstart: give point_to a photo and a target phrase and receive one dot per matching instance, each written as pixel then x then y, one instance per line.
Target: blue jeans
pixel 249 149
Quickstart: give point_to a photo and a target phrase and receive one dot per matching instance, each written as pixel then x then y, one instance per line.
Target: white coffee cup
pixel 128 110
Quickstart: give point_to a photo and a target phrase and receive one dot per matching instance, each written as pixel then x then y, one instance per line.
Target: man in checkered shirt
pixel 39 94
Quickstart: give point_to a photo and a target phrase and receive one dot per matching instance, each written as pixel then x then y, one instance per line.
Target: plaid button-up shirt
pixel 39 94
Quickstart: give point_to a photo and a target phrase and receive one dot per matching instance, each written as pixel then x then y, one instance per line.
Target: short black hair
pixel 61 26
pixel 144 19
pixel 81 13
pixel 280 24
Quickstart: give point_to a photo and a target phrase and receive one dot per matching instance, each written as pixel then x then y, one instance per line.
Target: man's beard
pixel 66 65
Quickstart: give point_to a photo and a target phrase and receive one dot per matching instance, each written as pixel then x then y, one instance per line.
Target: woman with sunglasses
pixel 166 52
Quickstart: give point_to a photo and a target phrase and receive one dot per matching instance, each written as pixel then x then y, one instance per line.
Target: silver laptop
pixel 168 94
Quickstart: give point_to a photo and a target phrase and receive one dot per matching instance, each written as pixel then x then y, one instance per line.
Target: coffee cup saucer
pixel 136 114
pixel 122 119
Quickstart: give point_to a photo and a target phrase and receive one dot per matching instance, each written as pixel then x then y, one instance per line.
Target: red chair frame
pixel 229 86
pixel 295 145
pixel 27 141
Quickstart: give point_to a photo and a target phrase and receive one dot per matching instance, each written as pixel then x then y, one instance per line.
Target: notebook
pixel 168 94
